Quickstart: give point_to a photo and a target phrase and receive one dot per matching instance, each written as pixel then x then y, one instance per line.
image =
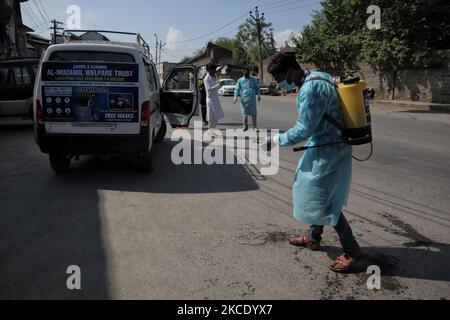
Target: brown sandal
pixel 344 262
pixel 303 241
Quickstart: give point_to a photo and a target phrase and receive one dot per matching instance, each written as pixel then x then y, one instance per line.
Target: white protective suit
pixel 215 112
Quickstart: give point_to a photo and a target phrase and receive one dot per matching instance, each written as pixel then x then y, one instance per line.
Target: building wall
pixel 12 31
pixel 421 84
pixel 216 54
pixel 163 70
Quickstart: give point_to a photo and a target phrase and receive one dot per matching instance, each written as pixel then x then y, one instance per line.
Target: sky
pixel 184 26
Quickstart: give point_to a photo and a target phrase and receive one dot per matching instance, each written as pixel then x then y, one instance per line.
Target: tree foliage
pixel 245 45
pixel 247 38
pixel 411 34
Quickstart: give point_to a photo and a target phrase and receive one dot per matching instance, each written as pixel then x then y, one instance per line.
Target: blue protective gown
pixel 285 86
pixel 323 176
pixel 248 89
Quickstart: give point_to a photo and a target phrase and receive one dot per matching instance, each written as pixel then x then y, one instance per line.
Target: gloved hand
pixel 268 143
pixel 235 100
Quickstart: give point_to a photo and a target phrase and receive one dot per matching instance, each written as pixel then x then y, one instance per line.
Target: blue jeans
pixel 344 232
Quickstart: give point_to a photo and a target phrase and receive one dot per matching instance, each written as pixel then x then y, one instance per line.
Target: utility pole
pixel 56 27
pixel 161 45
pixel 156 48
pixel 257 18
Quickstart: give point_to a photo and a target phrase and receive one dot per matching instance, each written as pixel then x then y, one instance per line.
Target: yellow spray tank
pixel 354 103
pixel 356 111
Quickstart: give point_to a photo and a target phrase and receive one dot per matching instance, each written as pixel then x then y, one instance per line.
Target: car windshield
pixel 228 83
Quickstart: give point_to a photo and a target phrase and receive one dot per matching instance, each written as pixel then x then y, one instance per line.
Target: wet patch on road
pixel 408 231
pixel 251 236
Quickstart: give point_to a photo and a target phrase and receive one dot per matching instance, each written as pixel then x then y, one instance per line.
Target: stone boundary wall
pixel 422 85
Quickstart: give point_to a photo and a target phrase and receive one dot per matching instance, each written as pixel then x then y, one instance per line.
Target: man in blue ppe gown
pixel 247 88
pixel 323 176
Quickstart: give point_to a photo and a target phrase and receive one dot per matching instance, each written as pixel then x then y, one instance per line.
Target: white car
pixel 228 86
pixel 106 99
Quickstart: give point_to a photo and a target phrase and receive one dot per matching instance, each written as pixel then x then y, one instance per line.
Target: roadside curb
pixel 438 107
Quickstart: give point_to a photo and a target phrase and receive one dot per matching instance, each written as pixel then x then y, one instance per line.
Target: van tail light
pixel 145 114
pixel 39 113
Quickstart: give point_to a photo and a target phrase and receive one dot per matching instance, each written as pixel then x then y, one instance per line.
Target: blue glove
pixel 269 143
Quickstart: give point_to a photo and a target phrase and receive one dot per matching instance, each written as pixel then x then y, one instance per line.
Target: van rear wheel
pixel 60 162
pixel 161 133
pixel 145 163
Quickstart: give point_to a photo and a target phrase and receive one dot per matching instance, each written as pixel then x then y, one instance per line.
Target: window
pixel 5 79
pixel 228 83
pixel 35 69
pixel 91 56
pixel 26 79
pixel 149 71
pixel 181 80
pixel 10 76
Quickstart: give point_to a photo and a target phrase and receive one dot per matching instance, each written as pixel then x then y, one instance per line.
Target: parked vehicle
pixel 263 88
pixel 273 89
pixel 107 99
pixel 228 87
pixel 16 87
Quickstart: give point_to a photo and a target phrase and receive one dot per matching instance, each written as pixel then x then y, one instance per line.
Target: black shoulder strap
pixel 322 79
pixel 328 117
pixel 332 120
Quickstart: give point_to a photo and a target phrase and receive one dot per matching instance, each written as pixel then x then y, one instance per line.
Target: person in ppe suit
pixel 288 86
pixel 247 88
pixel 323 175
pixel 214 109
pixel 202 92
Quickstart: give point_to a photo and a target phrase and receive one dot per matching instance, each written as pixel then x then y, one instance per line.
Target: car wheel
pixel 145 163
pixel 161 133
pixel 30 112
pixel 60 162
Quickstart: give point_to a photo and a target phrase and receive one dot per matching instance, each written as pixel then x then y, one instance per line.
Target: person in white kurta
pixel 214 109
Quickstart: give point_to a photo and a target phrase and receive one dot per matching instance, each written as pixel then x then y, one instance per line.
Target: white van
pixel 105 98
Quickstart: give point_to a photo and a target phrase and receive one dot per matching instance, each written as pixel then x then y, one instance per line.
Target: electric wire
pixel 214 31
pixel 36 17
pixel 43 10
pixel 277 6
pixel 294 8
pixel 31 19
pixel 40 12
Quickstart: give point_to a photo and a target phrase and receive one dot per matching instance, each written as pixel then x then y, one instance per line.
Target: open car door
pixel 179 95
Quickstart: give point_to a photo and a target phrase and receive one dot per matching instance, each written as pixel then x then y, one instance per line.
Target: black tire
pixel 30 112
pixel 145 163
pixel 161 133
pixel 59 162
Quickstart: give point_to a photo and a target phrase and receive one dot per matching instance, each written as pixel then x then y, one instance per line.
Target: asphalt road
pixel 219 231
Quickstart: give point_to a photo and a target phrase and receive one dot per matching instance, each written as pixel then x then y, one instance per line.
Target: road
pixel 219 231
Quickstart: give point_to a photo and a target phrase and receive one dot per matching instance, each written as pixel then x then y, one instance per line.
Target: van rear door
pixel 179 96
pixel 90 92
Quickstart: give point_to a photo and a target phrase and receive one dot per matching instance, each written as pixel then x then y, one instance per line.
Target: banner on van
pixel 90 103
pixel 90 71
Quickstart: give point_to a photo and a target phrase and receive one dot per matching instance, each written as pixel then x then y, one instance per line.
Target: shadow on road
pixel 119 174
pixel 50 222
pixel 410 261
pixel 430 111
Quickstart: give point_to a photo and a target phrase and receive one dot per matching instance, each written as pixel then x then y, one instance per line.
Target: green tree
pixel 240 56
pixel 247 37
pixel 228 43
pixel 334 37
pixel 411 34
